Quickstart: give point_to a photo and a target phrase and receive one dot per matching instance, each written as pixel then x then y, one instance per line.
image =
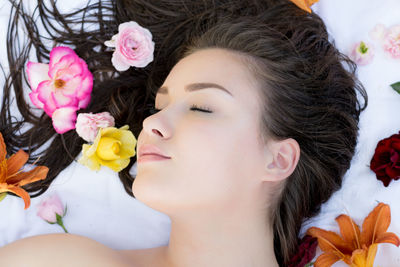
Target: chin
pixel 147 194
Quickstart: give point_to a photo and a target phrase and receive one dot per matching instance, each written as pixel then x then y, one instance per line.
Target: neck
pixel 221 240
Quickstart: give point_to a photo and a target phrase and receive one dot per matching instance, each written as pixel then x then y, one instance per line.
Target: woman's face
pixel 216 157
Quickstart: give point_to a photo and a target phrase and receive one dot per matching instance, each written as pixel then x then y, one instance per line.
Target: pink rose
pixel 88 124
pixel 133 46
pixel 362 53
pixel 51 210
pixel 64 84
pixel 391 41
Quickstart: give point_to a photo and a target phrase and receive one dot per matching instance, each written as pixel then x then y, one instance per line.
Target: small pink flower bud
pixel 88 124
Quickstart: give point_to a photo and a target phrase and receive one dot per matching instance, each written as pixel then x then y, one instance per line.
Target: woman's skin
pixel 217 186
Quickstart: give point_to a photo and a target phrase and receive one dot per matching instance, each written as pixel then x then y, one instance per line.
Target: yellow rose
pixel 112 148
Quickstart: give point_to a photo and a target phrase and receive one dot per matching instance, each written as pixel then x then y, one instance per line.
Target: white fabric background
pixel 99 208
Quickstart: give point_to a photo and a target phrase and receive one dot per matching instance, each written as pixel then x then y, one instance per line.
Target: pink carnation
pixel 391 41
pixel 63 85
pixel 88 124
pixel 133 46
pixel 362 53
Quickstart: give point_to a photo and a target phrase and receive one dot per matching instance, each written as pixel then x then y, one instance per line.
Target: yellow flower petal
pixel 108 148
pixel 2 196
pixel 359 258
pixel 112 148
pixel 371 255
pixel 88 159
pixel 117 165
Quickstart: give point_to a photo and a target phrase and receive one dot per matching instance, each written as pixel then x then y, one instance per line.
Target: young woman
pixel 256 121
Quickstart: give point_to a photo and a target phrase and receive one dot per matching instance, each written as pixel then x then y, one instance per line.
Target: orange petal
pixel 303 4
pixel 349 230
pixel 329 241
pixel 3 150
pixel 16 161
pixel 19 192
pixel 388 237
pixel 326 260
pixel 23 178
pixel 311 2
pixel 375 224
pixel 3 171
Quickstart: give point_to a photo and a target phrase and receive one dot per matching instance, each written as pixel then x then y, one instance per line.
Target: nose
pixel 157 126
pixel 157 132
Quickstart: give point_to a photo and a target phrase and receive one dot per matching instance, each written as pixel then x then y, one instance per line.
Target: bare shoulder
pixel 61 250
pixel 146 257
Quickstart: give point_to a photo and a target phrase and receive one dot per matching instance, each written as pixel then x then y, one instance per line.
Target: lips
pixel 151 150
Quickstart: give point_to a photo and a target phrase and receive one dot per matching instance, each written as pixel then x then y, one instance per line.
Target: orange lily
pixel 305 4
pixel 12 178
pixel 355 248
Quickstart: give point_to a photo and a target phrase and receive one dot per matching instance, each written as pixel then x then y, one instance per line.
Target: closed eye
pixel 192 107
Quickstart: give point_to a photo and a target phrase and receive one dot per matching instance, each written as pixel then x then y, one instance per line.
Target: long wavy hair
pixel 309 88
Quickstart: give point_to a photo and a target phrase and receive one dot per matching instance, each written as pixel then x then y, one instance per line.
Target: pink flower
pixel 64 84
pixel 51 210
pixel 88 124
pixel 378 32
pixel 391 41
pixel 133 46
pixel 362 53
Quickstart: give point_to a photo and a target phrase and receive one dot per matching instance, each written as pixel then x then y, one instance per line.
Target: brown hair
pixel 309 95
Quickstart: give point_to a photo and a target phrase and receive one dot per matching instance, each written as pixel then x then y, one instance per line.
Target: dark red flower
pixel 386 160
pixel 306 252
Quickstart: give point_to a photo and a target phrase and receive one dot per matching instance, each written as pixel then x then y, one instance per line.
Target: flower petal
pixel 329 241
pixel 57 53
pixel 115 165
pixel 35 100
pixel 3 150
pixel 67 67
pixel 62 100
pixel 349 230
pixel 19 192
pixel 37 73
pixel 24 178
pixel 375 224
pixel 302 4
pixel 359 258
pixel 371 255
pixel 89 161
pixel 388 237
pixel 45 91
pixel 326 260
pixel 64 119
pixel 16 161
pixel 119 62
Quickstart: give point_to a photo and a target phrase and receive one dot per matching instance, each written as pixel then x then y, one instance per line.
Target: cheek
pixel 210 169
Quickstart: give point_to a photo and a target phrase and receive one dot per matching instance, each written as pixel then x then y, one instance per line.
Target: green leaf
pixel 396 87
pixel 3 195
pixel 311 263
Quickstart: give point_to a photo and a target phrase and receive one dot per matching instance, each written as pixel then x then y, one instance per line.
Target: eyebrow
pixel 194 87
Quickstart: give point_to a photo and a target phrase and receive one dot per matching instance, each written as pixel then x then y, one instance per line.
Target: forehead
pixel 213 65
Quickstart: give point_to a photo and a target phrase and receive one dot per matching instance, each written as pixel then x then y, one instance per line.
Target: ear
pixel 282 159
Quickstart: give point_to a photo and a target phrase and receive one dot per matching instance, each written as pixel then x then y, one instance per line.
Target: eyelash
pixel 192 107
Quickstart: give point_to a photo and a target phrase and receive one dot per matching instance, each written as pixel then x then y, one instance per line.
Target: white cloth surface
pixel 99 208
